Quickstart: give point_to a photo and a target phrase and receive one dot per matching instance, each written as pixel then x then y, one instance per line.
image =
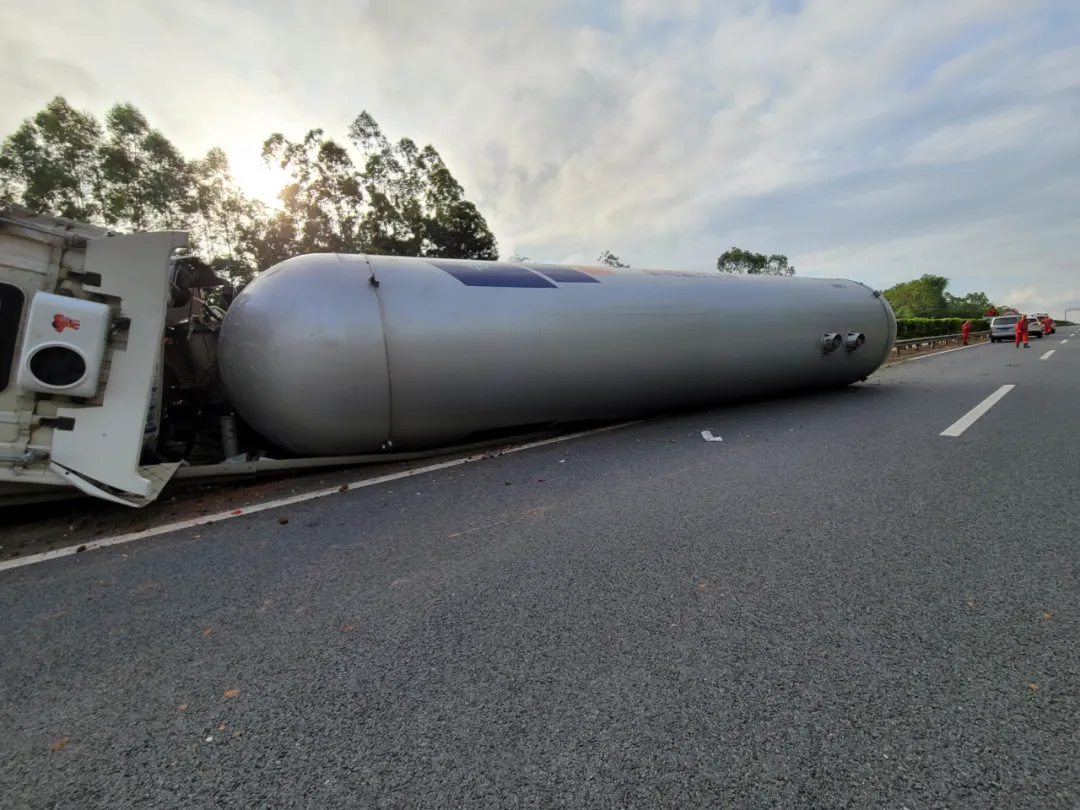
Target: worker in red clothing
pixel 1022 331
pixel 965 331
pixel 1048 325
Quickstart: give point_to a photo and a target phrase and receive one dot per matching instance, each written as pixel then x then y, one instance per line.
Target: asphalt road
pixel 834 607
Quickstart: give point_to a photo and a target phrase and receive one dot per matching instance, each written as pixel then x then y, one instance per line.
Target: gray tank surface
pixel 331 354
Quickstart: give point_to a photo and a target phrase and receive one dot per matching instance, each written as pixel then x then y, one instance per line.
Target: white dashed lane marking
pixel 968 419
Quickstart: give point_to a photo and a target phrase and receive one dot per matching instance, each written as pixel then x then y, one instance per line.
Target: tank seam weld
pixel 386 355
pixel 885 310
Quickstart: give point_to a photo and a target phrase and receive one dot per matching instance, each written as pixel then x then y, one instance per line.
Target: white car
pixel 1003 328
pixel 1042 316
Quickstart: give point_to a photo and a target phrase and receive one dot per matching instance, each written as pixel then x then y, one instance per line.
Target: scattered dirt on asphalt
pixel 42 527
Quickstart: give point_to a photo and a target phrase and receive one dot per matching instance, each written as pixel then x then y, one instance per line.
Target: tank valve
pixel 830 342
pixel 854 340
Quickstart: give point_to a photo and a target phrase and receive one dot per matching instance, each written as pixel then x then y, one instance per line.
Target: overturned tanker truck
pixel 123 367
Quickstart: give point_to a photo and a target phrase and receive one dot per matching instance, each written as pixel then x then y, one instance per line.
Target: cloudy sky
pixel 871 139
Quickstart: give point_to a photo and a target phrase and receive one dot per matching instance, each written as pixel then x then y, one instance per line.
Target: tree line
pixel 363 194
pixel 928 297
pixel 366 194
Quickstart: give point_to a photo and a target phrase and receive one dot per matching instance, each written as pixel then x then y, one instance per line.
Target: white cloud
pixel 879 140
pixel 1011 127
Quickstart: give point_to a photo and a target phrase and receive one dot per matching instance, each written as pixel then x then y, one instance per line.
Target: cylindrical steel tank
pixel 330 354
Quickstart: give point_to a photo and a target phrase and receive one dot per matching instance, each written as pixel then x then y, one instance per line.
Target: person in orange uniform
pixel 965 331
pixel 1048 325
pixel 1022 331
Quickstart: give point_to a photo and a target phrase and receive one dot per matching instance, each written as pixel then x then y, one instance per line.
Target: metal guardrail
pixel 933 340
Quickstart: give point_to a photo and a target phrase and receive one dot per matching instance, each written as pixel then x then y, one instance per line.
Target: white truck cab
pixel 82 315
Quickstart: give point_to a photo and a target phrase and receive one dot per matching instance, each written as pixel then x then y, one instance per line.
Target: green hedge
pixel 907 328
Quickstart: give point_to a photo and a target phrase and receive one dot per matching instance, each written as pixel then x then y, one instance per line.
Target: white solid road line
pixel 969 418
pixel 1047 355
pixel 936 354
pixel 307 496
